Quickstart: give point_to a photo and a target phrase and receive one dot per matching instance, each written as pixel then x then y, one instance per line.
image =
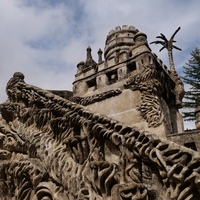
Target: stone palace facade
pixel 117 136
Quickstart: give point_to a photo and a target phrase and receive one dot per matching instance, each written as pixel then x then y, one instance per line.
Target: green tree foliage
pixel 192 77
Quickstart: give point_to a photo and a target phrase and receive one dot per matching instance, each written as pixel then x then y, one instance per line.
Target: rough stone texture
pixel 54 148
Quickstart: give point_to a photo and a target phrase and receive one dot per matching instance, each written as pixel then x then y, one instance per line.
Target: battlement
pixel 124 28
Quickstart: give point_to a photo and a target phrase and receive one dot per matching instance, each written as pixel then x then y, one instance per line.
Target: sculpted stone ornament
pixel 147 82
pixel 95 98
pixel 168 44
pixel 131 191
pixel 52 148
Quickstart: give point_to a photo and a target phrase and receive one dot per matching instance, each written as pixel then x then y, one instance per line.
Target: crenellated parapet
pixel 72 153
pixel 119 41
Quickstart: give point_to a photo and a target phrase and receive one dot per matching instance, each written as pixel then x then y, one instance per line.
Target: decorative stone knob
pixel 19 75
pixel 197 125
pixel 197 115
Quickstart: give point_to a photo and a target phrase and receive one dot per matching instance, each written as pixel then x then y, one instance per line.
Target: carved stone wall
pixel 52 148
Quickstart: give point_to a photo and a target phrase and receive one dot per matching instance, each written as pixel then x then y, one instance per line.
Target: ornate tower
pixel 131 85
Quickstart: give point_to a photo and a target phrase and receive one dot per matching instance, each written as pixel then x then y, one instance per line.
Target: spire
pixel 100 52
pixel 89 60
pixel 89 54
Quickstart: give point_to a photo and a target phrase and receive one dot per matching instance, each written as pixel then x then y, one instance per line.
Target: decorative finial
pixel 100 52
pixel 89 55
pixel 89 60
pixel 18 75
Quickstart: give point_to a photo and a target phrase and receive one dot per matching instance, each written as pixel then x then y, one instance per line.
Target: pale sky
pixel 46 39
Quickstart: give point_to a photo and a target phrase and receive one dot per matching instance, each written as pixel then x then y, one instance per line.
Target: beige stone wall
pixel 126 101
pixel 124 109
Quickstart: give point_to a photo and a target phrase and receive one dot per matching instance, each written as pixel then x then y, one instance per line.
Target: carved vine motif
pixel 96 98
pixel 71 153
pixel 179 89
pixel 146 81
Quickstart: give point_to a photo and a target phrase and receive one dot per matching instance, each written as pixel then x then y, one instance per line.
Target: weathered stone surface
pixel 111 140
pixel 56 149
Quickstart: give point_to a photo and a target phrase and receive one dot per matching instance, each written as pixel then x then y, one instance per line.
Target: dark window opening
pixel 131 67
pixel 191 145
pixel 92 83
pixel 112 76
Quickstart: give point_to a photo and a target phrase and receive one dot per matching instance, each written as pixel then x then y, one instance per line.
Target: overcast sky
pixel 46 39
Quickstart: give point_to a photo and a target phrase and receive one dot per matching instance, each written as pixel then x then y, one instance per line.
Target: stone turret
pixel 119 41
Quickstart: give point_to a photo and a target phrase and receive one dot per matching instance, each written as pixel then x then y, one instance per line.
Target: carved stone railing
pixel 52 148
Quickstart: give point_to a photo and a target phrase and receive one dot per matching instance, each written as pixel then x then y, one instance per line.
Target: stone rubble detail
pixel 52 148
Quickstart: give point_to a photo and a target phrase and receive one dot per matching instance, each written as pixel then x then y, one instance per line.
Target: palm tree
pixel 168 44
